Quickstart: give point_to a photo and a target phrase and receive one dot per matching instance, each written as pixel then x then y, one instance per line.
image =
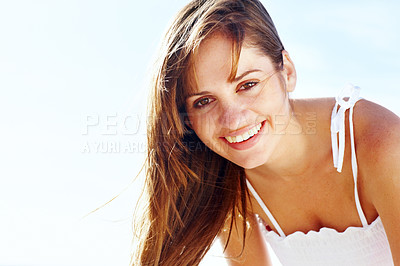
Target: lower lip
pixel 247 144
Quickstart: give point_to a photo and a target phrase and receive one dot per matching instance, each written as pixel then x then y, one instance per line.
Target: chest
pixel 321 199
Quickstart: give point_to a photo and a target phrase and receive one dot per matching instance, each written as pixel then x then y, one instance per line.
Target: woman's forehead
pixel 216 61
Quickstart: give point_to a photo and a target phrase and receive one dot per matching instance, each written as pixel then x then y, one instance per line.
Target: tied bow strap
pixel 338 124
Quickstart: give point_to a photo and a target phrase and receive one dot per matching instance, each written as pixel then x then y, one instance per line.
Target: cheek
pixel 274 107
pixel 203 125
pixel 276 93
pixel 270 103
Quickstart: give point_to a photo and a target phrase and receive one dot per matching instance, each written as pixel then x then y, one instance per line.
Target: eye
pixel 247 86
pixel 202 102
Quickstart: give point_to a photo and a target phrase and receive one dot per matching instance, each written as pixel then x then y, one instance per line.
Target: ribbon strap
pixel 338 127
pixel 338 122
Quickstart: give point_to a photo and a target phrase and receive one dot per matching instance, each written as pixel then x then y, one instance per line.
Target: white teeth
pixel 244 136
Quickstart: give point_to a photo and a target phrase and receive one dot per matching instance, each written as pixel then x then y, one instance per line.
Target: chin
pixel 249 164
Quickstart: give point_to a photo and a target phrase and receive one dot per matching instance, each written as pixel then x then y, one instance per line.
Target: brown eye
pixel 202 102
pixel 247 85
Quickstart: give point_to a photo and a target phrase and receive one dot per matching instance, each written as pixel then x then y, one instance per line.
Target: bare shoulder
pixel 378 154
pixel 377 138
pixel 377 132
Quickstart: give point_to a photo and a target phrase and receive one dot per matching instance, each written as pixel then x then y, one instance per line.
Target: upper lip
pixel 241 131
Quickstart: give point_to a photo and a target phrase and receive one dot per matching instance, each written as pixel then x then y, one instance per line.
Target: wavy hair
pixel 190 190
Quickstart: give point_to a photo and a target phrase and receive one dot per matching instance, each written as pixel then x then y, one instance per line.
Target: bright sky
pixel 72 104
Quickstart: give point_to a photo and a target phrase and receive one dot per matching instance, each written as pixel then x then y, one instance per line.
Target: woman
pixel 225 142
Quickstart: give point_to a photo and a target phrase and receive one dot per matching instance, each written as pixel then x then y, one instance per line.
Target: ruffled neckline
pixel 313 233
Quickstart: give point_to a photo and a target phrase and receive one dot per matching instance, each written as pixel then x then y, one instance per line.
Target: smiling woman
pixel 221 85
pixel 227 112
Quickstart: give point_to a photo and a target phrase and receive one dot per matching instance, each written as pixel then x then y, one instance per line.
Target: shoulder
pixel 377 132
pixel 378 154
pixel 377 138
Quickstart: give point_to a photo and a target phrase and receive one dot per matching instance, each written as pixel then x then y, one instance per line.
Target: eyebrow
pixel 245 74
pixel 235 80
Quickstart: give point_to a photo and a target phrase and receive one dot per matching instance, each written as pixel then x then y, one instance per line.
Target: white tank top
pixel 366 245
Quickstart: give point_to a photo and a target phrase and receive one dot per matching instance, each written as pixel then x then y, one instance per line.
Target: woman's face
pixel 241 120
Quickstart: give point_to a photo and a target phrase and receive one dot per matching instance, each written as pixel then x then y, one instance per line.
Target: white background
pixel 65 65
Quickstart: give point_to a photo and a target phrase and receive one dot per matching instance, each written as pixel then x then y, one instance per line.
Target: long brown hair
pixel 190 190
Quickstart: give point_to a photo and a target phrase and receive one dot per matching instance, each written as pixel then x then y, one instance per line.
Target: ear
pixel 289 72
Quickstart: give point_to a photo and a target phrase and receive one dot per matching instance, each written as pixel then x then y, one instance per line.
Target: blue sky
pixel 73 96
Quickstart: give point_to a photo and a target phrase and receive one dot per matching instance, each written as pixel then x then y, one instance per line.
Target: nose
pixel 232 115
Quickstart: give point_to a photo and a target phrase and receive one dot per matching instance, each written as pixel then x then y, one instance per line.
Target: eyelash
pixel 197 105
pixel 254 83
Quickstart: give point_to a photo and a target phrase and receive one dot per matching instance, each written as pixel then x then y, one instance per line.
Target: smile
pixel 245 136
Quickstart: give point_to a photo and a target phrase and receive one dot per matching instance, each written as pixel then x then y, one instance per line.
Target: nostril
pixel 231 119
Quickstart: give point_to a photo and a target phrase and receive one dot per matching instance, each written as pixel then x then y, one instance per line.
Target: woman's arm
pixel 386 190
pixel 255 252
pixel 381 141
